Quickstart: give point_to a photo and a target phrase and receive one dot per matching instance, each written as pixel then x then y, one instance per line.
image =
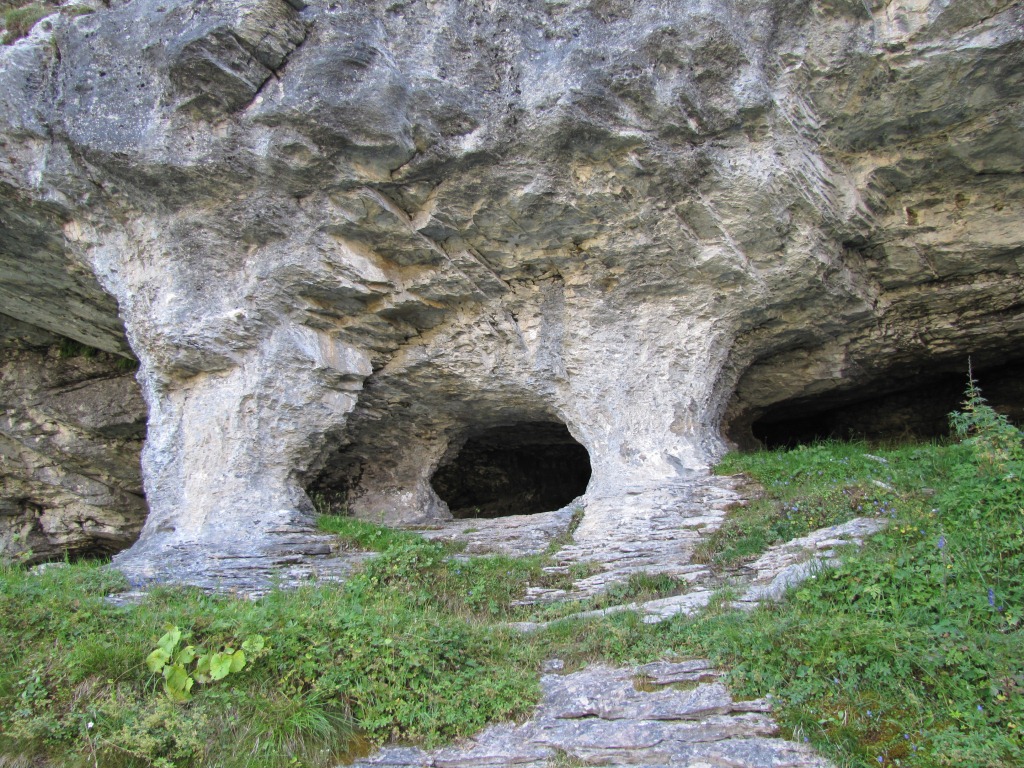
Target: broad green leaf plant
pixel 183 668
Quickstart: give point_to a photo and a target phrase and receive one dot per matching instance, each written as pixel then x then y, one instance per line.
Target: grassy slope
pixel 910 654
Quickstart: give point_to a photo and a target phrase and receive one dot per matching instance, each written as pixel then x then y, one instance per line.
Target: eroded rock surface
pixel 345 239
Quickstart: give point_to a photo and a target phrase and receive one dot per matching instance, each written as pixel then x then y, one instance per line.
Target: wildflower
pixel 906 736
pixel 89 725
pixel 992 602
pixel 942 542
pixel 979 708
pixel 869 713
pixel 880 760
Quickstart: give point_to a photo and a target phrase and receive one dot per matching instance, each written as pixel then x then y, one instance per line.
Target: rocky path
pixel 651 530
pixel 661 714
pixel 767 578
pixel 654 531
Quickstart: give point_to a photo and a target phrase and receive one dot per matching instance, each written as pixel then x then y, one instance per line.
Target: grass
pixel 904 654
pixel 908 654
pixel 18 19
pixel 373 658
pixel 807 488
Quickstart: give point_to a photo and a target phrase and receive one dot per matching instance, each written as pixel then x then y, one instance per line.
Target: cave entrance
pixel 519 469
pixel 918 411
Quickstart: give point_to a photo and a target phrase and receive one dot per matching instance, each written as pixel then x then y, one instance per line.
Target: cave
pixel 518 469
pixel 918 409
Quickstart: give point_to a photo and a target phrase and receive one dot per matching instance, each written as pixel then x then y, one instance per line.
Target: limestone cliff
pixel 345 238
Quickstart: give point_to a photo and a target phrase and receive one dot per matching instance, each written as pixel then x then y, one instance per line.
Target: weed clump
pixel 18 21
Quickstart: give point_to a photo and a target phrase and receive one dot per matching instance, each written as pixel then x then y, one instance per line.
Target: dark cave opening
pixel 916 410
pixel 518 469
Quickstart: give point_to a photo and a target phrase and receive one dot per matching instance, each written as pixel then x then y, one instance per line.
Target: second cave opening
pixel 916 409
pixel 517 469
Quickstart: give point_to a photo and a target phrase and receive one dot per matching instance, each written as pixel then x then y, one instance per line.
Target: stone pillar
pixel 224 452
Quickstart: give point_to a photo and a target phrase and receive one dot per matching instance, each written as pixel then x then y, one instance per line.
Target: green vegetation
pixel 183 667
pixel 376 653
pixel 908 654
pixel 69 348
pixel 807 488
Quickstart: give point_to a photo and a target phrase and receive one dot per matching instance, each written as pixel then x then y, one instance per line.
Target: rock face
pixel 348 239
pixel 70 436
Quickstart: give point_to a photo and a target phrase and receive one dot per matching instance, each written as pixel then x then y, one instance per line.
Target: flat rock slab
pixel 513 535
pixel 786 565
pixel 651 530
pixel 311 559
pixel 625 716
pixel 780 567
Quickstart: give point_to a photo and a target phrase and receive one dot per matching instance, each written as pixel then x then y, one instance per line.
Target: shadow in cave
pixel 519 469
pixel 919 411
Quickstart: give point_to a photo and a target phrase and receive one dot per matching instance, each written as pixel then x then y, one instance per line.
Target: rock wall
pixel 70 435
pixel 344 238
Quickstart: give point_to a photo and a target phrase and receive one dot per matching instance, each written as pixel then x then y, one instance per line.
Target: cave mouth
pixel 916 411
pixel 518 469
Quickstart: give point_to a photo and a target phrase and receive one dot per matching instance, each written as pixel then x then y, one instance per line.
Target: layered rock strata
pixel 70 434
pixel 345 239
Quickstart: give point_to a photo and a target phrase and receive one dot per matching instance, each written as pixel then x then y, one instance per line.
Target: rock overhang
pixel 639 219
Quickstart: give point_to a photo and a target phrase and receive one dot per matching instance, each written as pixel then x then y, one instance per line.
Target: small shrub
pixel 69 348
pixel 126 364
pixel 994 440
